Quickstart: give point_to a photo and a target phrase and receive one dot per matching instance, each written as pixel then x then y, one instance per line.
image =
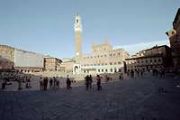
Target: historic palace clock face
pixel 77 24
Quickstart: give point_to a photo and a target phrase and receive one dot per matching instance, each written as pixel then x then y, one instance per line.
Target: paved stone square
pixel 133 99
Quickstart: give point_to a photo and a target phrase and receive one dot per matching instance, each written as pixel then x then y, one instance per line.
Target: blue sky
pixel 46 26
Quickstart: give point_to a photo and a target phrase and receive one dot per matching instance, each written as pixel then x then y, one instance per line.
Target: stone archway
pixel 77 69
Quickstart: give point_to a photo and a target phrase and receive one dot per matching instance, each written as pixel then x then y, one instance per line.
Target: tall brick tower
pixel 78 38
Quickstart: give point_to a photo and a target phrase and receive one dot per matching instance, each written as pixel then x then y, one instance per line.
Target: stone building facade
pixel 28 61
pixel 67 65
pixel 174 38
pixel 23 61
pixel 157 57
pixel 52 64
pixel 103 59
pixel 6 57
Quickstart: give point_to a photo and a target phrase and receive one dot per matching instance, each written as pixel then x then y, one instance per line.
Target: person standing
pixel 19 84
pixel 99 87
pixel 50 83
pixel 3 85
pixel 87 82
pixel 29 82
pixel 132 74
pixel 41 86
pixel 57 84
pixel 54 82
pixel 45 83
pixel 68 82
pixel 90 81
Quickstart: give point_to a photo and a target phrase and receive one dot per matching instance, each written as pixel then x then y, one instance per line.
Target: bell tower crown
pixel 77 24
pixel 78 37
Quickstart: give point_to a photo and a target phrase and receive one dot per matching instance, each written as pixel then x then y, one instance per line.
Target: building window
pixel 142 61
pixel 106 70
pixel 119 62
pixel 98 70
pixel 110 63
pixel 115 63
pixel 111 70
pixel 102 70
pixel 159 60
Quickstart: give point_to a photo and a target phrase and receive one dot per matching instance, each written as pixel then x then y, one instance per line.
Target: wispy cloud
pixel 134 48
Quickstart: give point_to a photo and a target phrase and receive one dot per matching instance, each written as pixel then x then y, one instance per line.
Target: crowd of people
pixel 45 83
pixel 157 72
pixel 89 81
pixel 8 77
pixel 53 83
pixel 134 73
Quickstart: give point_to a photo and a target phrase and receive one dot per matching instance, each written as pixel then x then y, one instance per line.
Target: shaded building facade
pixel 157 57
pixel 174 38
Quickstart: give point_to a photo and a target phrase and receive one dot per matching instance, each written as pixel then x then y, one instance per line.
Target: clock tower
pixel 78 38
